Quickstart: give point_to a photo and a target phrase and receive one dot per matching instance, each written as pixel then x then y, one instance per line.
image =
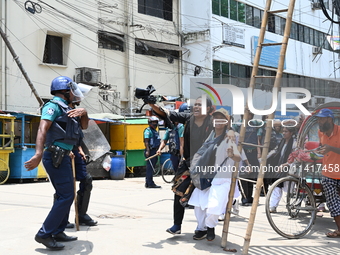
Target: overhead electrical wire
pixel 158 70
pixel 155 67
pixel 129 47
pixel 60 21
pixel 324 10
pixel 64 1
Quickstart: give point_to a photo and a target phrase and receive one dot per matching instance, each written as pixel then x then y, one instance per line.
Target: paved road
pixel 132 220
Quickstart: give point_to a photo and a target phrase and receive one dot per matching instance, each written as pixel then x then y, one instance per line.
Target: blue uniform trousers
pixel 149 169
pixel 62 181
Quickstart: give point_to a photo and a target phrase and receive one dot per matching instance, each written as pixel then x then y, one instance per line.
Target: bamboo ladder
pixel 265 147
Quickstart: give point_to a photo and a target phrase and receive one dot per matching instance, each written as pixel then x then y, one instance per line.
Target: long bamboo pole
pixel 75 194
pixel 277 85
pixel 243 127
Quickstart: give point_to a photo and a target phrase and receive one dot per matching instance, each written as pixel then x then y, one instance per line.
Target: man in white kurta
pixel 211 202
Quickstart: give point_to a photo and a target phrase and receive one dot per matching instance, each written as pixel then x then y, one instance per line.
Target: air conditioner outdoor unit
pixel 86 75
pixel 316 50
pixel 319 101
pixel 316 5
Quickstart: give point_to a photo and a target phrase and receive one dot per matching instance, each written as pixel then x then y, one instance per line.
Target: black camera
pixel 145 94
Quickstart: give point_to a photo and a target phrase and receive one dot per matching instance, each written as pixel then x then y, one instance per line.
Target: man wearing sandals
pixel 329 135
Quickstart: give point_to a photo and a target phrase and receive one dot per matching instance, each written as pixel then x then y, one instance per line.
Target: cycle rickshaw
pixel 301 188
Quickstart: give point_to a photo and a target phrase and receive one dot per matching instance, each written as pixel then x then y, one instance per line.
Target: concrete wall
pixel 79 22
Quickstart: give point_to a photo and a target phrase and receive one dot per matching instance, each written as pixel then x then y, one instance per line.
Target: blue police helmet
pixel 184 108
pixel 153 118
pixel 60 83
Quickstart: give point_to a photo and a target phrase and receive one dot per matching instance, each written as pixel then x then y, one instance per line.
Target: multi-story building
pixel 115 46
pixel 222 38
pixel 118 46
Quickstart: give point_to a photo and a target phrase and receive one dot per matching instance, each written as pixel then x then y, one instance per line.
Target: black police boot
pixel 87 220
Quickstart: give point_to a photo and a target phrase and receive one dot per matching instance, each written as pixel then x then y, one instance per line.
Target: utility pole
pixel 129 59
pixel 16 58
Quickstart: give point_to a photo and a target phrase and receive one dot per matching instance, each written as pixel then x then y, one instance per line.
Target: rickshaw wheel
pixel 4 171
pixel 296 211
pixel 168 172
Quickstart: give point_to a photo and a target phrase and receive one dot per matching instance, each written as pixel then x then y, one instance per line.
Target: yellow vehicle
pixel 6 144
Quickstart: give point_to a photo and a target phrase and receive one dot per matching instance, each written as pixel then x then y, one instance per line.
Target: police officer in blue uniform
pixel 59 131
pixel 151 142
